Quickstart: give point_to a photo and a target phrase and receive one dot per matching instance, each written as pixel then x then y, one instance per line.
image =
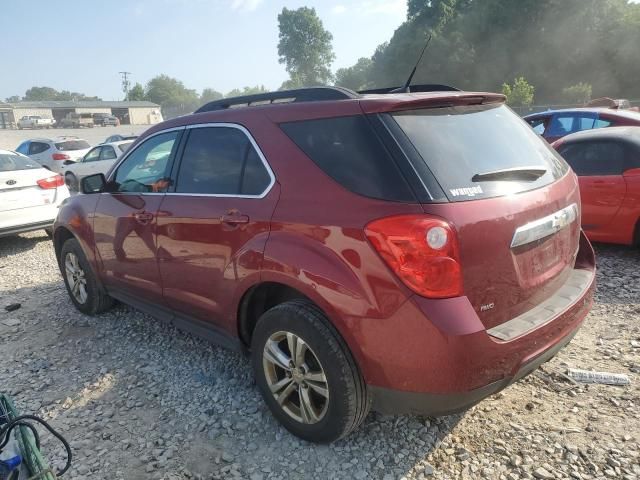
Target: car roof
pixel 598 110
pixel 609 133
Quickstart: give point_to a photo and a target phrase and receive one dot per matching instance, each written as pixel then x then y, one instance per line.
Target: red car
pixel 406 252
pixel 555 124
pixel 607 163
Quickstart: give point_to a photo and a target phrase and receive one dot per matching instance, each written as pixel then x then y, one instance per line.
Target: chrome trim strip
pixel 545 226
pixel 568 295
pixel 237 126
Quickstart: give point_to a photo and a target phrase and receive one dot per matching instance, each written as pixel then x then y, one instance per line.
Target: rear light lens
pixel 51 182
pixel 61 156
pixel 422 250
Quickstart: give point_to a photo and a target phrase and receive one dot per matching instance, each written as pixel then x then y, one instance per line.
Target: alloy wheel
pixel 76 278
pixel 295 377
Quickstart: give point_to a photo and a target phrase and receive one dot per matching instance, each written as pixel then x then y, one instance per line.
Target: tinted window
pixel 348 150
pixel 10 163
pixel 602 123
pixel 538 125
pixel 108 153
pixel 69 145
pixel 458 143
pixel 23 148
pixel 565 123
pixel 221 161
pixel 37 147
pixel 595 158
pixel 92 155
pixel 145 169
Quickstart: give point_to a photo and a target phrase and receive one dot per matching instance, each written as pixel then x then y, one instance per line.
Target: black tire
pixel 71 181
pixel 348 402
pixel 97 300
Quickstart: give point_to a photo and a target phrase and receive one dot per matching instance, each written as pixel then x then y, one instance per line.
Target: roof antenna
pixel 406 88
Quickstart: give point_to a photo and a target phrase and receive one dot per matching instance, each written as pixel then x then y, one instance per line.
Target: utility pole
pixel 125 84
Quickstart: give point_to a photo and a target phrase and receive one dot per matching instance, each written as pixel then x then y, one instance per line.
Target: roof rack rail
pixel 413 89
pixel 312 94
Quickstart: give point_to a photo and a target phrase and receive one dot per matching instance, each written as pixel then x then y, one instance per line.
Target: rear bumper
pixel 26 228
pixel 436 357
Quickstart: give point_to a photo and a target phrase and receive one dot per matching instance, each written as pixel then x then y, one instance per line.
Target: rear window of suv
pixel 349 151
pixel 471 150
pixel 72 145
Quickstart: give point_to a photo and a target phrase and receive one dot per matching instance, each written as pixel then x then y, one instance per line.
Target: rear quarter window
pixel 350 152
pixel 460 143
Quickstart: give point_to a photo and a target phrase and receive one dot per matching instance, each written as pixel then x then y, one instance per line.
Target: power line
pixel 125 84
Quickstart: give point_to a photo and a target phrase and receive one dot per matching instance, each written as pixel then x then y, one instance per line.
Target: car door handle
pixel 143 217
pixel 234 218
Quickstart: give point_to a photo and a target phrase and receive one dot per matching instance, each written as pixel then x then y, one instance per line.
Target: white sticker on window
pixel 466 191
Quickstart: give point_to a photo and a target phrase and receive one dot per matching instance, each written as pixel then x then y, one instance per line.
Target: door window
pixel 221 161
pixel 108 153
pixel 146 168
pixel 93 155
pixel 37 147
pixel 566 123
pixel 23 148
pixel 595 158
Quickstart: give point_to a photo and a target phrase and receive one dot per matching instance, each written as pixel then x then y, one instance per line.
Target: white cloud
pixel 245 5
pixel 338 9
pixel 393 7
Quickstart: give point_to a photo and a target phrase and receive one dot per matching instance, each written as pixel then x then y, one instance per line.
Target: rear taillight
pixel 60 156
pixel 51 182
pixel 422 250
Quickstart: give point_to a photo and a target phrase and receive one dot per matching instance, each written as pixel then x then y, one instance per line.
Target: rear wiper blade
pixel 518 174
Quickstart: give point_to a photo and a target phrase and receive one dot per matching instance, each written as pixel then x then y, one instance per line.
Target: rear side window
pixel 595 158
pixel 221 161
pixel 70 145
pixel 38 147
pixel 23 148
pixel 349 151
pixel 566 123
pixel 480 151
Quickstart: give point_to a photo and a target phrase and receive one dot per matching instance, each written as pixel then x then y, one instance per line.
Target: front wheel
pixel 82 285
pixel 306 373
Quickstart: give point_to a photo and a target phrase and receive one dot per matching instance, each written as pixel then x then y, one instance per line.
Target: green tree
pixel 13 99
pixel 236 92
pixel 209 95
pixel 520 94
pixel 172 95
pixel 580 93
pixel 41 93
pixel 305 47
pixel 357 77
pixel 136 93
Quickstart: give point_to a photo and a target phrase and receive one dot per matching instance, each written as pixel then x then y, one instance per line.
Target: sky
pixel 222 44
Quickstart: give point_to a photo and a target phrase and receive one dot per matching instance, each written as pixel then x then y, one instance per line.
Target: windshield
pixel 10 162
pixel 480 151
pixel 69 145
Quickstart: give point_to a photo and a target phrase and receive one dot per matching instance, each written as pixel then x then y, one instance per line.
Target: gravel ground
pixel 10 139
pixel 138 399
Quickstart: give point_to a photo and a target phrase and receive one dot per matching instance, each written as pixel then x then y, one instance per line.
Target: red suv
pixel 406 252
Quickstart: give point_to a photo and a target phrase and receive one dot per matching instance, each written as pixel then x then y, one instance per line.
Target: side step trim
pixel 577 283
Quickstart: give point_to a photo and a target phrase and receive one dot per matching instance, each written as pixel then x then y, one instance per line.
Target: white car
pixel 29 194
pixel 51 153
pixel 97 160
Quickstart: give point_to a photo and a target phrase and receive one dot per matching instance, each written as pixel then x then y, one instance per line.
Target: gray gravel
pixel 138 399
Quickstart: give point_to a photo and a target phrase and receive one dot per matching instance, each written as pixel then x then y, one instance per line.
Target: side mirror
pixel 68 162
pixel 93 183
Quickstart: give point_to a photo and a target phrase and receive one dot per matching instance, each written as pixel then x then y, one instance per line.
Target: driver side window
pixel 93 155
pixel 146 169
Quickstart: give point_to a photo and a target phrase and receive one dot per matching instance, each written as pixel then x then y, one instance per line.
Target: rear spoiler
pixel 411 101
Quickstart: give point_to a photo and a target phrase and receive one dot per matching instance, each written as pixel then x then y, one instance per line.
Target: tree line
pixel 550 51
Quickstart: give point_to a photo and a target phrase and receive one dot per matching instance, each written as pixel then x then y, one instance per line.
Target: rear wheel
pixel 306 373
pixel 71 181
pixel 82 285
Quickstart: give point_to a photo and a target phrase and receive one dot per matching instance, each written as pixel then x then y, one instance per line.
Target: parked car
pixel 607 163
pixel 51 153
pixel 97 160
pixel 406 253
pixel 34 122
pixel 77 120
pixel 555 124
pixel 105 119
pixel 119 138
pixel 29 195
